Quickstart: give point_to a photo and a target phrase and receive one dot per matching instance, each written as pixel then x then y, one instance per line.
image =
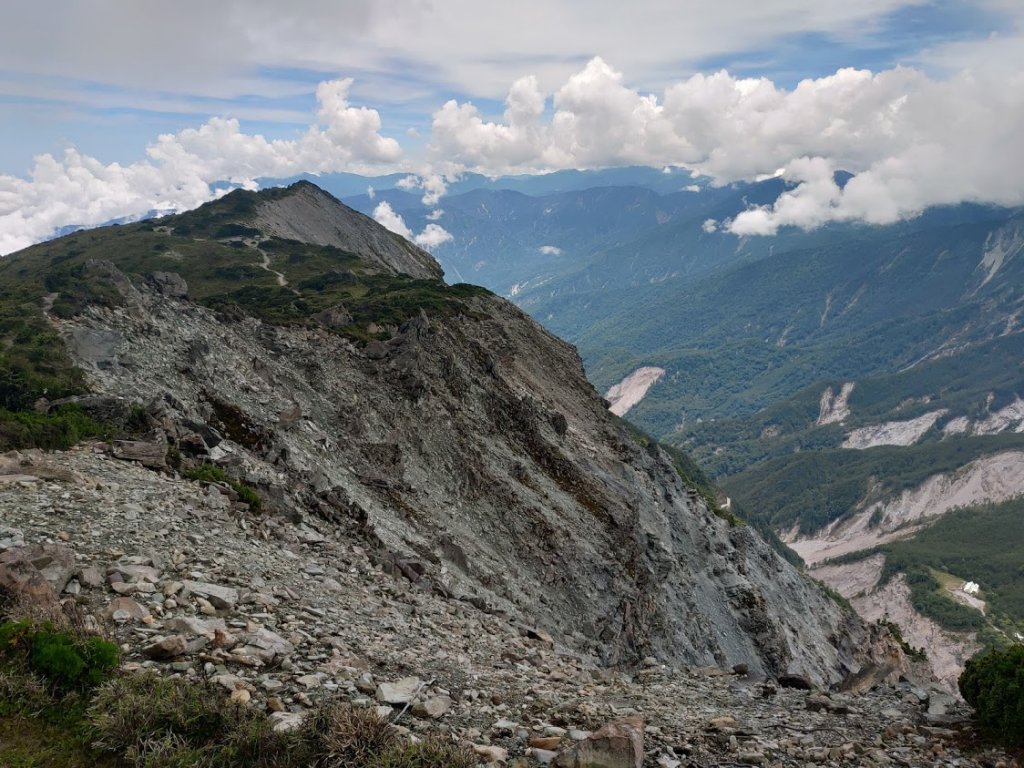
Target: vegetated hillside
pixel 915 324
pixel 969 388
pixel 986 549
pixel 813 488
pixel 437 424
pixel 748 336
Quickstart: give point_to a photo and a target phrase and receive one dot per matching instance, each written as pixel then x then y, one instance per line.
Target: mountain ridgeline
pixel 313 356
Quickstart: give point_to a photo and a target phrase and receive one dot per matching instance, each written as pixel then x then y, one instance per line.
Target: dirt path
pixel 281 279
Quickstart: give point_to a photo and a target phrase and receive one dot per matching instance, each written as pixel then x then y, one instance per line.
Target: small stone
pixel 241 696
pixel 287 721
pixel 535 633
pixel 365 684
pixel 491 753
pixel 90 577
pixel 545 742
pixel 167 648
pixel 125 609
pixel 400 692
pixel 206 607
pixel 505 726
pixel 308 681
pixel 799 682
pixel 222 597
pixel 274 704
pixel 263 644
pixel 817 702
pixel 433 707
pixel 722 723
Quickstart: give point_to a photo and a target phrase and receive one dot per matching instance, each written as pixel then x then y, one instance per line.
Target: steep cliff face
pixel 467 443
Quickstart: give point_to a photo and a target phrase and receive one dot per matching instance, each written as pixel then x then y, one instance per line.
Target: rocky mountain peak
pixel 437 426
pixel 307 213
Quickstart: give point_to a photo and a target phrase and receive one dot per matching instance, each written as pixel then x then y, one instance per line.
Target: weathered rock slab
pixel 619 744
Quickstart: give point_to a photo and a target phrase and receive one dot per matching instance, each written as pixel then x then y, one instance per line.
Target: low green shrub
pixel 22 693
pixel 993 684
pixel 54 431
pixel 66 661
pixel 209 473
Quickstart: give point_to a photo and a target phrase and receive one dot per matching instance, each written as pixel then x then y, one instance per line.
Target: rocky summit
pixel 407 493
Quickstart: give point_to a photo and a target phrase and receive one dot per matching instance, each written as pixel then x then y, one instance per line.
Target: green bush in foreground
pixel 148 721
pixel 54 431
pixel 993 683
pixel 63 659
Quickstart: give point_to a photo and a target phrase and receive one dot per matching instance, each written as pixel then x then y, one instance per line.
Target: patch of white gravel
pixel 833 408
pixel 989 479
pixel 893 432
pixel 947 651
pixel 632 389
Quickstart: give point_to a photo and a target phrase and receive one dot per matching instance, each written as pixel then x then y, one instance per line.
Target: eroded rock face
pixel 477 446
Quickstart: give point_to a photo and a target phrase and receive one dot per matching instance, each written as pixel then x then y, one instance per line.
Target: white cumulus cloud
pixel 432 235
pixel 911 140
pixel 181 168
pixel 387 217
pixel 434 186
pixel 550 250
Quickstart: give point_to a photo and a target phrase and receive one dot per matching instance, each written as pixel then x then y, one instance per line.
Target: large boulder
pixel 20 581
pixel 619 744
pixel 151 451
pixel 25 570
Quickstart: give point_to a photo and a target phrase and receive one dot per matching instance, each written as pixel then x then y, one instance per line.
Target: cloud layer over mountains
pixel 912 141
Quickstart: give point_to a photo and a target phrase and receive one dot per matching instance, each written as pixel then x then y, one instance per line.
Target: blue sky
pixel 47 108
pixel 105 79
